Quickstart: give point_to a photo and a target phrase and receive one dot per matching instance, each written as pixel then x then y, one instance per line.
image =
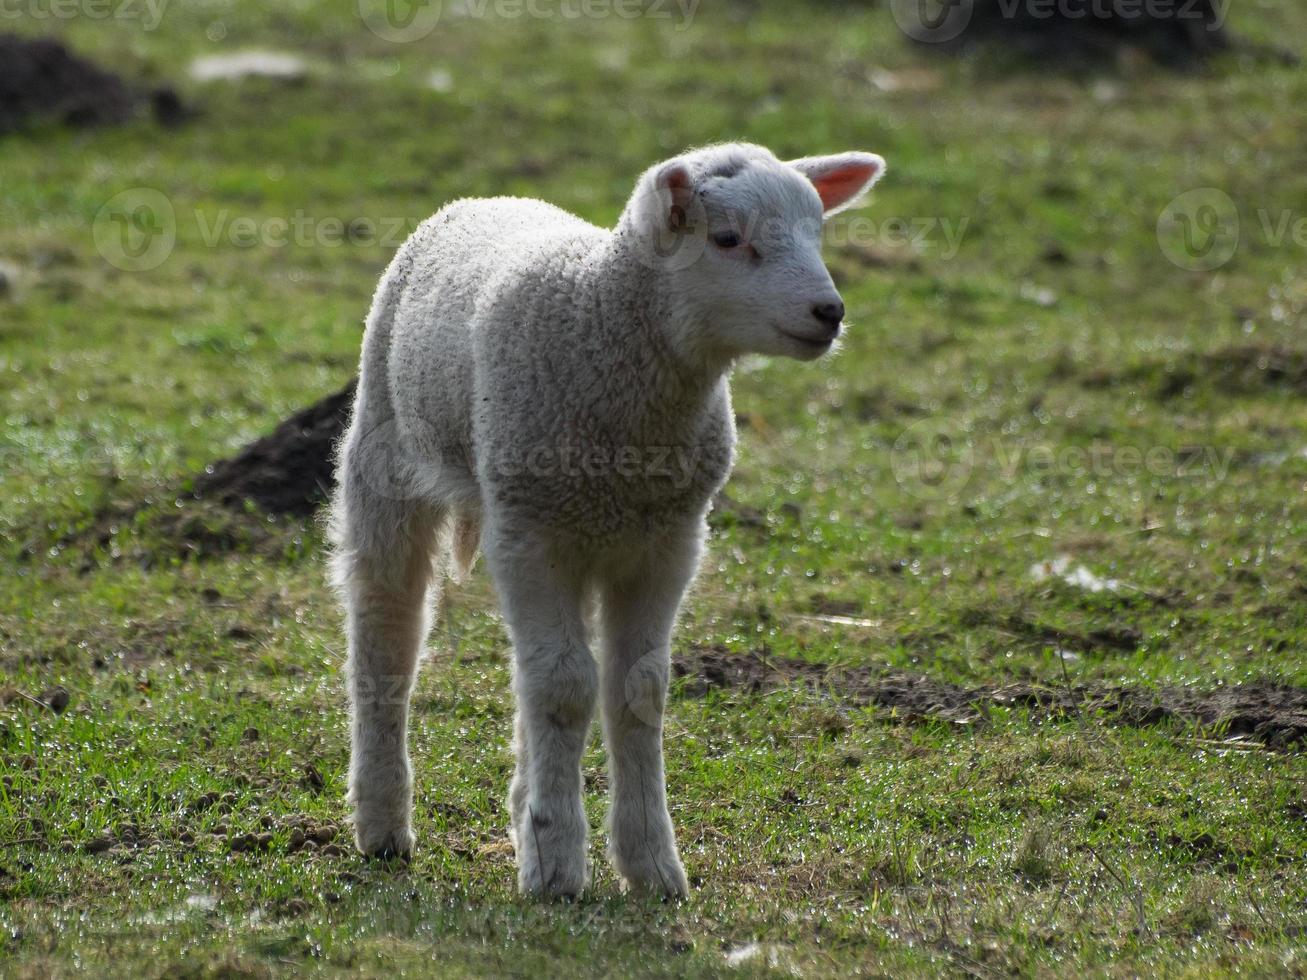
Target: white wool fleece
pixel 558 393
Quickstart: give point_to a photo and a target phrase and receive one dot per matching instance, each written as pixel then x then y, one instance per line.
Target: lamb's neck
pixel 649 332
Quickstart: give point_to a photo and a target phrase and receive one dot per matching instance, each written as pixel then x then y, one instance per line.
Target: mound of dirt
pixel 289 471
pixel 41 80
pixel 1273 714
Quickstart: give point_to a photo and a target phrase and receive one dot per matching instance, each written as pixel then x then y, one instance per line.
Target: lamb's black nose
pixel 830 314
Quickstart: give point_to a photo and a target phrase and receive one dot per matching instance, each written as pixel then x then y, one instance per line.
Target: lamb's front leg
pixel 639 610
pixel 556 684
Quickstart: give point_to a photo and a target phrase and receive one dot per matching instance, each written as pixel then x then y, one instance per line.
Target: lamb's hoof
pixel 663 876
pixel 563 883
pixel 389 854
pixel 391 844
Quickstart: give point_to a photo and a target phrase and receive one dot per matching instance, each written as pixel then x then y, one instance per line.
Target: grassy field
pixel 1054 450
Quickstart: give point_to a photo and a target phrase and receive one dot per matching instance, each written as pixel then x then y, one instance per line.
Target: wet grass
pixel 1102 410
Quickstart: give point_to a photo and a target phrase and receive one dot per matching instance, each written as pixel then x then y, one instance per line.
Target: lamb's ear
pixel 841 178
pixel 673 180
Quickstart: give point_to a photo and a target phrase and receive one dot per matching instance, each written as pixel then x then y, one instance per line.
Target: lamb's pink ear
pixel 674 178
pixel 841 178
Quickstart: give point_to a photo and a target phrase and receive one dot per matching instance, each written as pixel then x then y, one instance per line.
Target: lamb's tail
pixel 466 543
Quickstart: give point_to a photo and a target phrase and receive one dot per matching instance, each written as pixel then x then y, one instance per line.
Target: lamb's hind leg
pixel 639 604
pixel 556 683
pixel 385 543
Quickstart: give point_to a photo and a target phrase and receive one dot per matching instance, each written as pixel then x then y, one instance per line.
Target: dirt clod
pixel 40 79
pixel 241 842
pixel 312 779
pixel 249 842
pixel 56 699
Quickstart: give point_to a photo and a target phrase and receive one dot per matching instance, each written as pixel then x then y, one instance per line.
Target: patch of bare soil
pixel 41 80
pixel 1273 714
pixel 176 528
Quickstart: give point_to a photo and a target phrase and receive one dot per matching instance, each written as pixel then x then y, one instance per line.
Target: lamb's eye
pixel 726 239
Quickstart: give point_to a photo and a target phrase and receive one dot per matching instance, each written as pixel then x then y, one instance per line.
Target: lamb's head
pixel 735 235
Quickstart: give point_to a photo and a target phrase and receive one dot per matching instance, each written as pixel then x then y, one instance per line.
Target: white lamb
pixel 557 393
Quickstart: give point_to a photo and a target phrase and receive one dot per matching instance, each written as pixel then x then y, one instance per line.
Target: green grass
pixel 206 699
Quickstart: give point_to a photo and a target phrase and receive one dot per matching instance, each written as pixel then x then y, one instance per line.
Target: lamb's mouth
pixel 812 343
